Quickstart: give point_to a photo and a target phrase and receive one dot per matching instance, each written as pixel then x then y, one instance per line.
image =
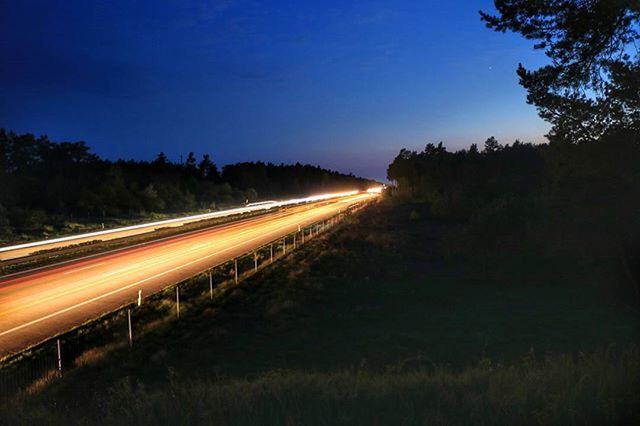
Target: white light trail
pixel 187 219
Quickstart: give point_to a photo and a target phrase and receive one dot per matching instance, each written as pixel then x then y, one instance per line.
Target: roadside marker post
pixel 255 261
pixel 130 328
pixel 210 286
pixel 139 297
pixel 284 246
pixel 59 356
pixel 271 250
pixel 235 273
pixel 178 301
pixel 294 240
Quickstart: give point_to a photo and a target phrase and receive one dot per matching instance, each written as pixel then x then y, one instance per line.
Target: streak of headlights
pixel 187 219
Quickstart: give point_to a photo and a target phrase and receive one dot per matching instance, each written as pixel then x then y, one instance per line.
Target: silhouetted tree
pixel 208 169
pixel 491 145
pixel 190 164
pixel 592 85
pixel 161 159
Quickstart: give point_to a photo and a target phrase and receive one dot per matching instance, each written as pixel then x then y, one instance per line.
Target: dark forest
pixel 45 184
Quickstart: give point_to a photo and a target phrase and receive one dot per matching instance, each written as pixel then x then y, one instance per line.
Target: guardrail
pixel 27 371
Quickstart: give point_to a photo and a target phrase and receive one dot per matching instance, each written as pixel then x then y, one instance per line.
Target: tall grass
pixel 598 388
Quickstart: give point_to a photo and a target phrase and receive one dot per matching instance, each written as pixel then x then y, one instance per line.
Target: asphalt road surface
pixel 42 303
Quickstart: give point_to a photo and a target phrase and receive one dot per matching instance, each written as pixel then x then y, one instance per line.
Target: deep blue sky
pixel 336 83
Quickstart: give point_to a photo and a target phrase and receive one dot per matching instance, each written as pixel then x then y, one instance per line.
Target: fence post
pixel 235 274
pixel 210 286
pixel 130 328
pixel 59 357
pixel 255 261
pixel 178 301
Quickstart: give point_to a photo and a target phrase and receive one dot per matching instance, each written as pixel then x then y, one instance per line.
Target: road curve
pixel 35 306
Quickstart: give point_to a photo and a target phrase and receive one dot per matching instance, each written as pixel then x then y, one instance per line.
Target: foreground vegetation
pixel 562 390
pixel 373 324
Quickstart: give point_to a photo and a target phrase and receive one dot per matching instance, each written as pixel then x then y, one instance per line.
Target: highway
pixel 27 249
pixel 42 303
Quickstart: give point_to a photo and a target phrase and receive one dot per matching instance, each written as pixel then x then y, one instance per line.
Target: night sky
pixel 341 84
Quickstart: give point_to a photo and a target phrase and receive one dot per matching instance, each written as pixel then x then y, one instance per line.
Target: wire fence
pixel 31 369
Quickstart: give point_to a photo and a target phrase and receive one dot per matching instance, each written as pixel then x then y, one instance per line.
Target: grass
pixel 372 325
pixel 562 390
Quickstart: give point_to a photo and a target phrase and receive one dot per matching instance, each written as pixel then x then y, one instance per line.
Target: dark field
pixel 373 324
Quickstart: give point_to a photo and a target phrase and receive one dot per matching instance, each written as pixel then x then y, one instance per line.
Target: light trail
pixel 39 304
pixel 22 250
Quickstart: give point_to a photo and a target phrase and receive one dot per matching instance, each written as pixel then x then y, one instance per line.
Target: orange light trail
pixel 39 304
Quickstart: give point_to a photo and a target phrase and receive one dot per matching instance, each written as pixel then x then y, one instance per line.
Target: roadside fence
pixel 26 372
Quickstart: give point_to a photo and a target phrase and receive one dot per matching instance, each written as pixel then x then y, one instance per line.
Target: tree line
pixel 43 184
pixel 580 200
pixel 576 197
